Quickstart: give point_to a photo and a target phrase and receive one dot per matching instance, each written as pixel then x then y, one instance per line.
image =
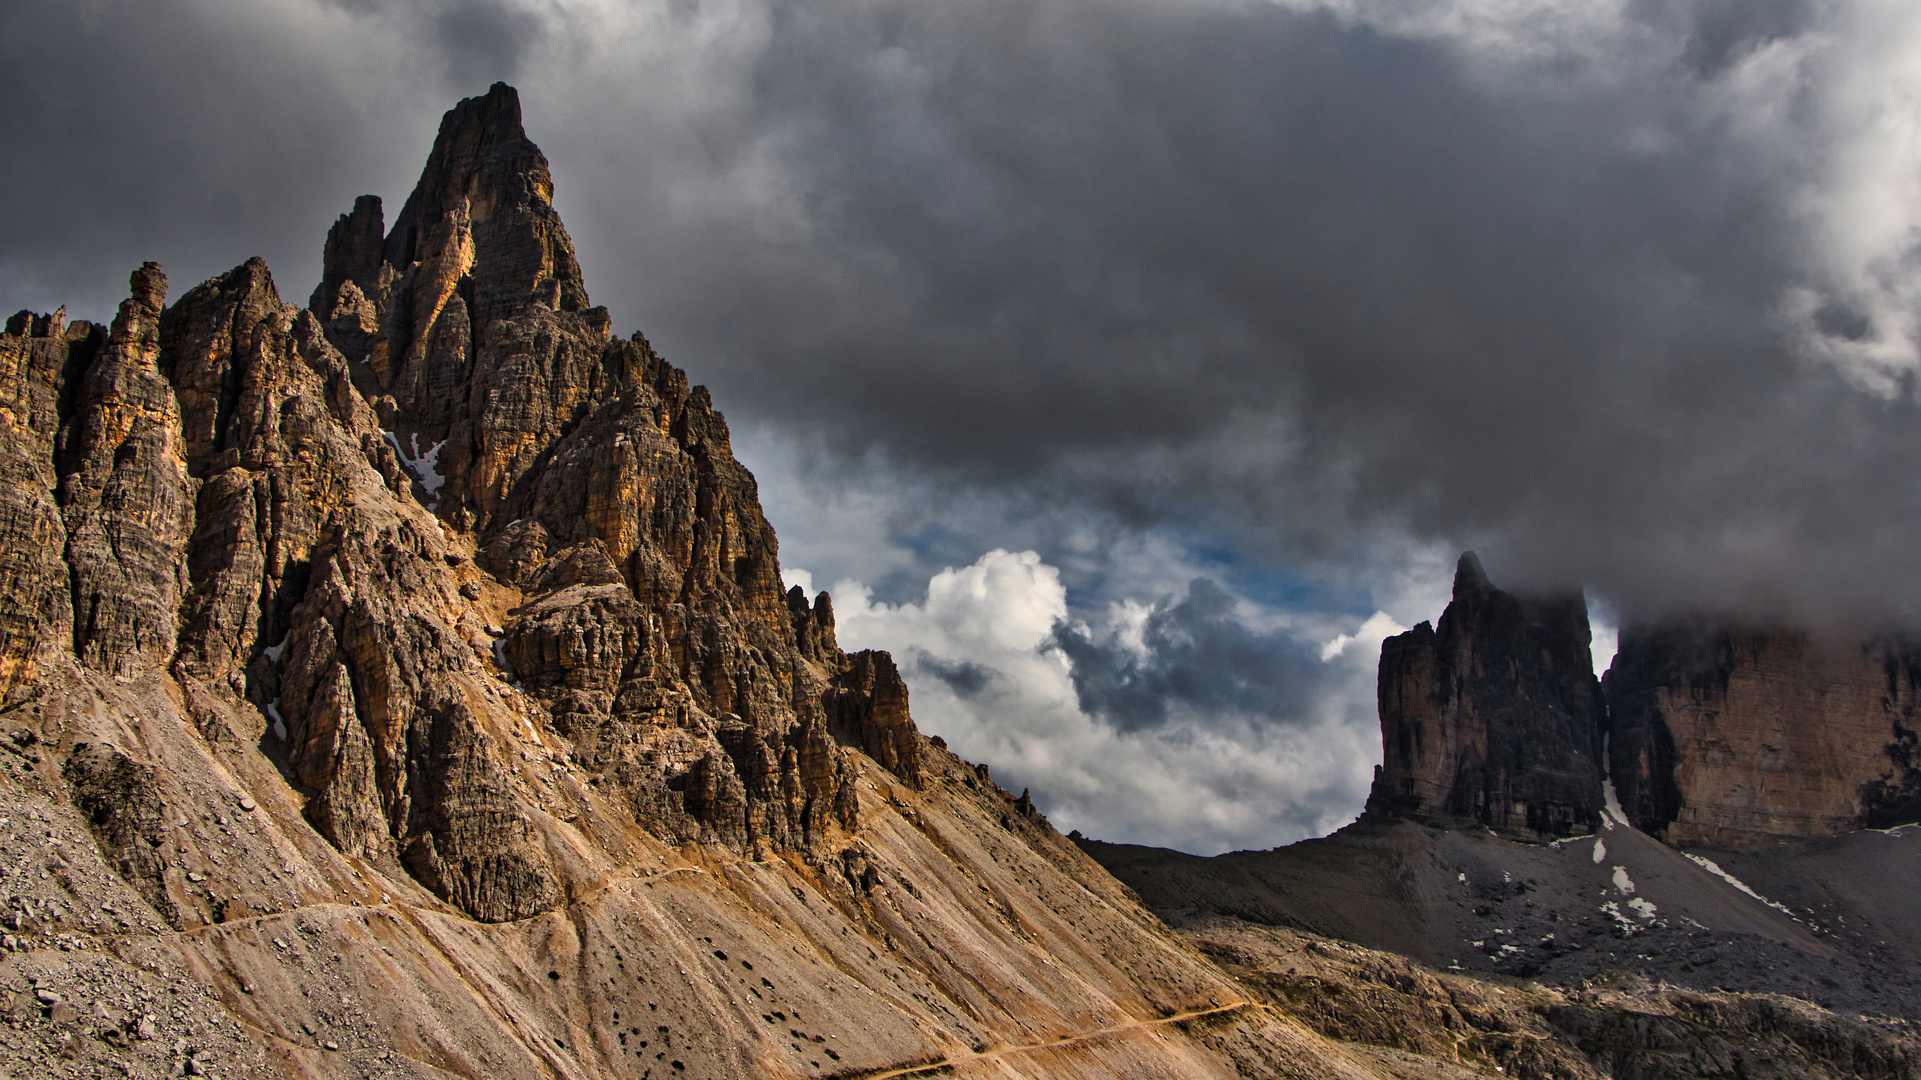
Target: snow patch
pixel 425 465
pixel 279 725
pixel 1709 865
pixel 1600 851
pixel 1611 812
pixel 1623 883
pixel 273 653
pixel 1642 907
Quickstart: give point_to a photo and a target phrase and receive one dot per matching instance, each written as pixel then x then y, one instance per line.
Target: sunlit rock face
pixel 1493 716
pixel 1732 735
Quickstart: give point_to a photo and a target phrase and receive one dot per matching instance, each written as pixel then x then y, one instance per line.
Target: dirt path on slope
pixel 1028 1048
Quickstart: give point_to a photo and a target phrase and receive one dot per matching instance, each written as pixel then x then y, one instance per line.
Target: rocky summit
pixel 1494 716
pixel 402 686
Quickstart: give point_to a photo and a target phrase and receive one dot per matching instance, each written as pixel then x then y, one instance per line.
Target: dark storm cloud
pixel 1198 659
pixel 486 40
pixel 964 677
pixel 201 133
pixel 1286 272
pixel 1295 277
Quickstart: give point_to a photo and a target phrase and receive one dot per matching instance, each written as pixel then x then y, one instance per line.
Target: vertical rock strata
pixel 1494 715
pixel 1731 735
pixel 394 533
pixel 126 495
pixel 41 358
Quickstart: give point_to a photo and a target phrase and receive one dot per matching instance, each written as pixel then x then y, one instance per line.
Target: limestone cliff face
pixel 1494 716
pixel 1732 735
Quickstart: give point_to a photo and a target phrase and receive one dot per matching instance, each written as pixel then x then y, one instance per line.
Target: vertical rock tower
pixel 1494 716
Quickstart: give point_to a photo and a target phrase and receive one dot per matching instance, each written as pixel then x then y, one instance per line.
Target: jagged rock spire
pixel 483 168
pixel 470 312
pixel 1495 715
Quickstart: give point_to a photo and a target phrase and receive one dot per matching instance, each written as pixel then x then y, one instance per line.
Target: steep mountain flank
pixel 1494 716
pixel 404 686
pixel 1733 736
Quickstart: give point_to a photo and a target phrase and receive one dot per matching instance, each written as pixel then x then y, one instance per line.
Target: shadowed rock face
pixel 1494 716
pixel 1731 735
pixel 41 358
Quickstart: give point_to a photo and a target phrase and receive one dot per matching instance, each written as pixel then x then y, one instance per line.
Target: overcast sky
pixel 1130 368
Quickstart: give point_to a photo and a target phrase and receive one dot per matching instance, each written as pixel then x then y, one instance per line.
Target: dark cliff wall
pixel 1494 715
pixel 1732 735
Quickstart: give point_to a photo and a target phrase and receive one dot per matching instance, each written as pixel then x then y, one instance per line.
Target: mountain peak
pixel 1494 715
pixel 1469 577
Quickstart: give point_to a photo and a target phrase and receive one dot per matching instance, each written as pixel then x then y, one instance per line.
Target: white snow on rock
pixel 273 710
pixel 1611 812
pixel 425 465
pixel 1600 851
pixel 1642 907
pixel 1622 882
pixel 273 653
pixel 1709 865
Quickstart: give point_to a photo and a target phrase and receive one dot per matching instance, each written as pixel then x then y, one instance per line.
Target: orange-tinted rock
pixel 1495 716
pixel 40 359
pixel 126 495
pixel 1730 736
pixel 470 314
pixel 240 496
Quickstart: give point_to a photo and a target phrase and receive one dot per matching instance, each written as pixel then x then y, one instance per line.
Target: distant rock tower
pixel 1734 735
pixel 1495 716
